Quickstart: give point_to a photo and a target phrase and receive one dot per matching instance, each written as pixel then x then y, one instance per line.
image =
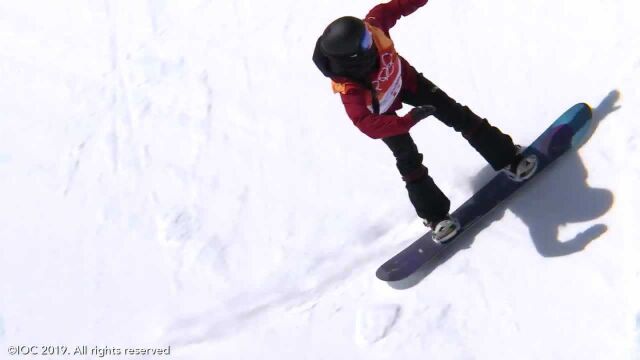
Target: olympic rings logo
pixel 387 69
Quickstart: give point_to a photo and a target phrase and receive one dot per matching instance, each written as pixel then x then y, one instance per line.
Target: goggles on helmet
pixel 367 40
pixel 365 44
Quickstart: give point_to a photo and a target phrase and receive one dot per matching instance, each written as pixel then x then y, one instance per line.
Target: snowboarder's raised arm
pixel 373 125
pixel 384 16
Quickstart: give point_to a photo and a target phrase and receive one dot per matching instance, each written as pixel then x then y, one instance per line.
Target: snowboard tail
pixel 566 132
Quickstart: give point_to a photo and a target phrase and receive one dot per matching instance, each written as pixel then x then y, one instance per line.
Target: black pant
pixel 494 146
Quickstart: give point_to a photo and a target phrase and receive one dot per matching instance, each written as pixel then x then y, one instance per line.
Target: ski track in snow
pixel 336 271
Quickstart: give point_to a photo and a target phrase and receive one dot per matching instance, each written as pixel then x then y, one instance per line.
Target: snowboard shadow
pixel 561 195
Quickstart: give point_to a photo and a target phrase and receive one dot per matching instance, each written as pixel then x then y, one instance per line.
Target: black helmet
pixel 349 48
pixel 342 37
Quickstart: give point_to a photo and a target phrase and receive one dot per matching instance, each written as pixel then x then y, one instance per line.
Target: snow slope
pixel 179 173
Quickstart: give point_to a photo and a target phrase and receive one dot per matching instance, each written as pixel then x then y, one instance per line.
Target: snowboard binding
pixel 522 167
pixel 444 230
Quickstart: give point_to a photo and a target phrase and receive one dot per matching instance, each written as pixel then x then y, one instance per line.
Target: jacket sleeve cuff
pixel 409 119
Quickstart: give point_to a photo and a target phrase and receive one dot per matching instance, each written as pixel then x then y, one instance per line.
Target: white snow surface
pixel 178 173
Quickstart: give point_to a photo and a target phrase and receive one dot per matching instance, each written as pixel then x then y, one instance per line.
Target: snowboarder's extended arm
pixel 380 126
pixel 384 16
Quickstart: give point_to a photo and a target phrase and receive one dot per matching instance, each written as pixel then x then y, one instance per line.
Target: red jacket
pixel 384 17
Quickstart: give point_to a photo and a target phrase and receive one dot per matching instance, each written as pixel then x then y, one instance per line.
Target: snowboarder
pixel 374 81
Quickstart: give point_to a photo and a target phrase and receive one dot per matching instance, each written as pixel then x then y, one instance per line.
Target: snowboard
pixel 563 134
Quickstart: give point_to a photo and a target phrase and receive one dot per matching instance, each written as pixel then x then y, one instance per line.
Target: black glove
pixel 421 112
